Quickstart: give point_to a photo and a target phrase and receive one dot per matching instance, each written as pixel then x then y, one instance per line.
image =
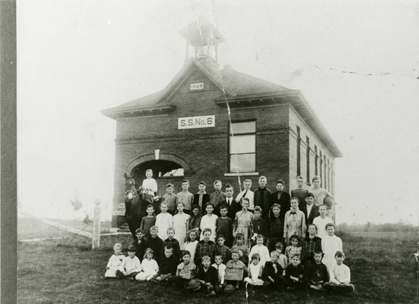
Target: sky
pixel 356 62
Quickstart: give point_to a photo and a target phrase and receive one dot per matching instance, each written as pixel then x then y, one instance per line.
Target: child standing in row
pixel 221 249
pixel 148 221
pixel 170 199
pixel 246 193
pixel 260 226
pixel 185 197
pixel 330 245
pixel 195 220
pixel 173 242
pixel 155 243
pixel 181 223
pixel 209 221
pixel 294 222
pixel 294 248
pixel 276 227
pixel 204 247
pixel 321 222
pixel 191 242
pixel 202 197
pixel 243 222
pixel 261 250
pixel 311 244
pixel 164 220
pixel 224 226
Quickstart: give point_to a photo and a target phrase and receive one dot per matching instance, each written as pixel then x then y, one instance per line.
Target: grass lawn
pixel 68 271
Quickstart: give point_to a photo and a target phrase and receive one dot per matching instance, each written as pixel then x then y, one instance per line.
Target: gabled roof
pixel 240 90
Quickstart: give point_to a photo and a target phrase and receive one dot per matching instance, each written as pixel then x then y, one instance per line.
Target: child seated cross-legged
pixel 294 274
pixel 114 262
pixel 261 250
pixel 221 269
pixel 204 247
pixel 185 271
pixel 255 271
pixel 130 266
pixel 272 274
pixel 208 277
pixel 340 276
pixel 241 247
pixel 235 263
pixel 174 242
pixel 149 267
pixel 316 272
pixel 168 264
pixel 221 249
pixel 294 248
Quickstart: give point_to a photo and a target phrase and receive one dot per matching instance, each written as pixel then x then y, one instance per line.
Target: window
pixel 320 167
pixel 308 160
pixel 243 147
pixel 315 160
pixel 298 151
pixel 325 173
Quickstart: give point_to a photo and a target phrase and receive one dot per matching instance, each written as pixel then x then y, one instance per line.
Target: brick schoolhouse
pixel 185 131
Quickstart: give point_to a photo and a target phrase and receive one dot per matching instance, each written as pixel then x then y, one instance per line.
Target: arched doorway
pixel 164 172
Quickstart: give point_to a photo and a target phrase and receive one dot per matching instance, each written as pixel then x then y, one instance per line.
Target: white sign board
pixel 196 86
pixel 196 122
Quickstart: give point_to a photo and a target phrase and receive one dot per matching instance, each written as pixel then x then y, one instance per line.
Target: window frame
pixel 241 134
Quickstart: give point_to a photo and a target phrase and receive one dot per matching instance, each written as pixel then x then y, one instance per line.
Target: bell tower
pixel 203 37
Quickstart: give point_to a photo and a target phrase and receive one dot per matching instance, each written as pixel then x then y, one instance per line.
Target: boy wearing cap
pixel 130 266
pixel 202 197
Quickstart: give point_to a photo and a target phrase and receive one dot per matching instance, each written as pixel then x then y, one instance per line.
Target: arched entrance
pixel 164 172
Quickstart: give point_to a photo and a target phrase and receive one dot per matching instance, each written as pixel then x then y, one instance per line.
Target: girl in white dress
pixel 164 221
pixel 330 244
pixel 181 223
pixel 191 242
pixel 115 261
pixel 149 266
pixel 209 221
pixel 255 271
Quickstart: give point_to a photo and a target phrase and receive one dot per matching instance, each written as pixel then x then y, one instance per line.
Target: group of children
pixel 198 241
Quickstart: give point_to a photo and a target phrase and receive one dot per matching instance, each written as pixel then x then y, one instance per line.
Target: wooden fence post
pixel 96 225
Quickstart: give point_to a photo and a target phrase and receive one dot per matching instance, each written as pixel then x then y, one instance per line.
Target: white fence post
pixel 96 225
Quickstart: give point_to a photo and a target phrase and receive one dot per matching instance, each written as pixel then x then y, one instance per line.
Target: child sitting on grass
pixel 115 261
pixel 130 266
pixel 316 273
pixel 272 274
pixel 340 276
pixel 255 271
pixel 149 267
pixel 185 271
pixel 168 264
pixel 204 247
pixel 208 277
pixel 235 263
pixel 294 274
pixel 241 247
pixel 294 247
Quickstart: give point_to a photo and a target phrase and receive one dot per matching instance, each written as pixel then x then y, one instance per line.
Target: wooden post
pixel 96 225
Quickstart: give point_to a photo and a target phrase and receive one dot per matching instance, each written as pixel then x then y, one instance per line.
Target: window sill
pixel 242 174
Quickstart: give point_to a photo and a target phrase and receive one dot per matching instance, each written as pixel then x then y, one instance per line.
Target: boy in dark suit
pixel 140 244
pixel 262 197
pixel 202 197
pixel 312 211
pixel 281 198
pixel 233 206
